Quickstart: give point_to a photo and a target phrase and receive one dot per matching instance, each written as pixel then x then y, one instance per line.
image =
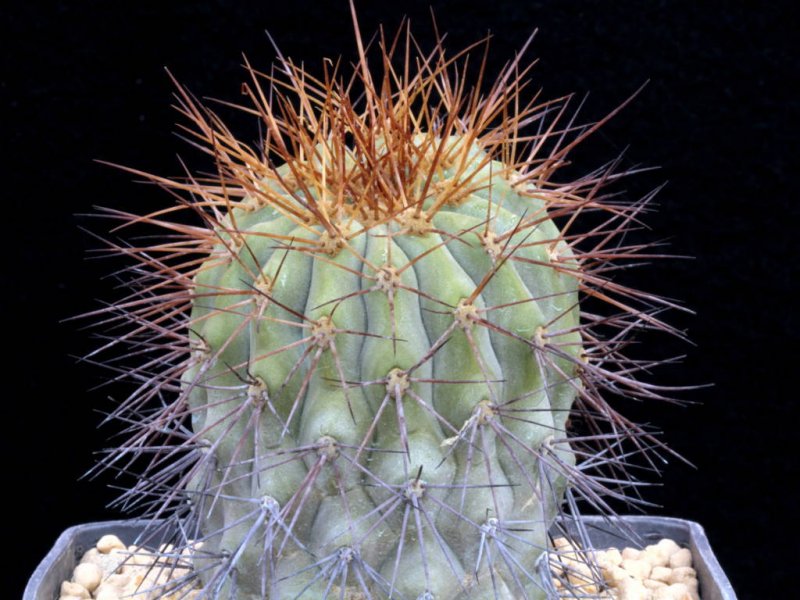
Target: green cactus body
pixel 364 364
pixel 360 390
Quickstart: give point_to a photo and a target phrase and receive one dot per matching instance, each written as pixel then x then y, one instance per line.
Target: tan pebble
pixel 138 556
pixel 614 556
pixel 589 590
pixel 559 561
pixel 121 560
pixel 618 574
pixel 681 558
pixel 70 588
pixel 107 592
pixel 682 575
pixel 608 573
pixel 657 555
pixel 132 589
pixel 156 577
pixel 661 574
pixel 651 555
pixel 556 570
pixel 638 568
pixel 119 580
pixel 689 586
pixel 166 549
pixel 563 565
pixel 676 591
pixel 71 597
pixel 143 558
pixel 562 543
pixel 90 555
pixel 633 589
pixel 653 584
pixel 630 553
pixel 602 560
pixel 108 542
pixel 694 588
pixel 179 572
pixel 88 575
pixel 580 575
pixel 577 567
pixel 107 563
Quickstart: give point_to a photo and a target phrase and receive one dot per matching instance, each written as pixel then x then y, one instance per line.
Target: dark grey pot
pixel 57 566
pixel 714 584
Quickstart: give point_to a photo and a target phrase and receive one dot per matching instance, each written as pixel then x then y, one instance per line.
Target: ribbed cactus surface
pixel 386 388
pixel 364 361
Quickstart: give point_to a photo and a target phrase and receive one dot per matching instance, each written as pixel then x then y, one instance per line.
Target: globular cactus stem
pixel 361 368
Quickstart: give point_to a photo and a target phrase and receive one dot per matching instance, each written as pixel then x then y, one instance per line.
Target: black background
pixel 85 80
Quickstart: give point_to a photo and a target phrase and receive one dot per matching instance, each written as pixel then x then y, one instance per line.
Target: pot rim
pixel 602 531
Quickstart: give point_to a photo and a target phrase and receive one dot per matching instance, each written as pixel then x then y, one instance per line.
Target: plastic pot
pixel 714 584
pixel 57 566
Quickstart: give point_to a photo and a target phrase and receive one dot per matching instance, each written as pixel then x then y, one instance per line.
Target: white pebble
pixel 70 598
pixel 108 542
pixel 681 558
pixel 70 588
pixel 88 575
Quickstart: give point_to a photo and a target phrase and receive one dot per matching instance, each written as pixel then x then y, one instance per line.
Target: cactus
pixel 367 369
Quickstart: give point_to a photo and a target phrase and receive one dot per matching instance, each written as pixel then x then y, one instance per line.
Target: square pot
pixel 641 531
pixel 57 566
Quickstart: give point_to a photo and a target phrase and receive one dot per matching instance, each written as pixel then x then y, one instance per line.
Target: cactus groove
pixel 366 369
